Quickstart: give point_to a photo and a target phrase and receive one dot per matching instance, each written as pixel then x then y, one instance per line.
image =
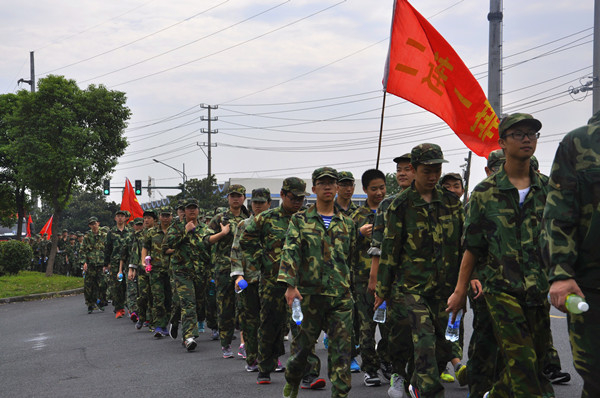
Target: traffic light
pixel 107 187
pixel 138 187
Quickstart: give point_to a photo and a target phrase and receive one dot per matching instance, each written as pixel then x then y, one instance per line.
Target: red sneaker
pixel 120 314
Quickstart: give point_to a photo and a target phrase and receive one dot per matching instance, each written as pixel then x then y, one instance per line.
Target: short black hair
pixel 370 175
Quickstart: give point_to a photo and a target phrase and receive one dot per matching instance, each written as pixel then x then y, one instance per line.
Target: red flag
pixel 130 203
pixel 47 229
pixel 29 222
pixel 424 69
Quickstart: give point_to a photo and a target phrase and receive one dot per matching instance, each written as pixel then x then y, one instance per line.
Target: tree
pixel 62 137
pixel 391 184
pixel 206 191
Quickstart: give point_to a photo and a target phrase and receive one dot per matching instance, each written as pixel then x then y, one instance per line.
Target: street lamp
pixel 183 175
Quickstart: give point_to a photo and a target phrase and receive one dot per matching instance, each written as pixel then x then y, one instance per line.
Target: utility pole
pixel 596 66
pixel 209 132
pixel 31 80
pixel 495 56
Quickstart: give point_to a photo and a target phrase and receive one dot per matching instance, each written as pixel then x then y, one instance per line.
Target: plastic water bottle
pixel 380 313
pixel 83 274
pixel 453 328
pixel 120 277
pixel 297 311
pixel 211 288
pixel 242 285
pixel 576 304
pixel 148 263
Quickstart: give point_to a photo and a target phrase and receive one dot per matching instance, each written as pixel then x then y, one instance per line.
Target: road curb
pixel 40 296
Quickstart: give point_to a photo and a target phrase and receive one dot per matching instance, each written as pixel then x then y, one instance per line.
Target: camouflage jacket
pixel 572 213
pixel 351 209
pixel 262 242
pixel 191 248
pixel 153 242
pixel 239 265
pixel 61 246
pixel 361 263
pixel 318 260
pixel 221 250
pixel 506 237
pixel 379 225
pixel 421 246
pixel 92 248
pixel 115 240
pixel 132 251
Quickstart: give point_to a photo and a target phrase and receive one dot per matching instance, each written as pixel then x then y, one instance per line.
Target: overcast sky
pixel 297 83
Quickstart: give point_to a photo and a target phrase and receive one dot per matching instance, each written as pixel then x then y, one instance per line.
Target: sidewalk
pixel 40 296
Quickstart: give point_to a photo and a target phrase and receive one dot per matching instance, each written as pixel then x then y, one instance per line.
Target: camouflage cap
pixel 123 212
pixel 65 230
pixel 191 202
pixel 180 205
pixel 92 219
pixel 295 185
pixel 138 221
pixel 79 233
pixel 345 176
pixel 427 154
pixel 450 176
pixel 261 195
pixel 166 211
pixel 403 158
pixel 534 163
pixel 495 159
pixel 236 188
pixel 322 172
pixel 522 118
pixel 151 213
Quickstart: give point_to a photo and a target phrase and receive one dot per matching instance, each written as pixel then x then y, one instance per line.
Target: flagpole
pixel 380 130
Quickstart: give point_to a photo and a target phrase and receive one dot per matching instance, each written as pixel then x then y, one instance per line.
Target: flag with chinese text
pixel 425 70
pixel 130 203
pixel 47 228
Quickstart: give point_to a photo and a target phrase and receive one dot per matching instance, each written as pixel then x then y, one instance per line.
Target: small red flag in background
pixel 130 203
pixel 29 222
pixel 425 70
pixel 47 228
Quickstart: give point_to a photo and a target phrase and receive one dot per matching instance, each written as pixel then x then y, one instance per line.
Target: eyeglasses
pixel 520 135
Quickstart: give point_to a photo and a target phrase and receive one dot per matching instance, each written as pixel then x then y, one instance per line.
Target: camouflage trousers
pixel 144 301
pixel 584 330
pixel 225 306
pixel 364 302
pixel 176 307
pixel 60 265
pixel 428 320
pixel 91 285
pixel 210 303
pixel 399 339
pixel 273 317
pixel 132 294
pixel 523 336
pixel 160 286
pixel 333 315
pixel 250 320
pixel 191 294
pixel 118 289
pixel 103 285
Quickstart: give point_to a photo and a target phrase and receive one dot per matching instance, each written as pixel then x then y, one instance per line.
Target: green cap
pixel 450 176
pixel 295 185
pixel 180 205
pixel 166 211
pixel 345 176
pixel 403 158
pixel 191 202
pixel 138 221
pixel 79 233
pixel 236 188
pixel 427 154
pixel 324 172
pixel 261 195
pixel 151 213
pixel 495 159
pixel 92 219
pixel 65 230
pixel 521 118
pixel 123 212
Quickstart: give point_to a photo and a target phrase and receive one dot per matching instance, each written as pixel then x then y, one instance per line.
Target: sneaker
pixel 146 324
pixel 227 353
pixel 290 391
pixel 133 316
pixel 414 393
pixel 242 351
pixel 263 378
pixel 326 341
pixel 354 366
pixel 151 329
pixel 173 329
pixel 158 332
pixel 163 332
pixel 386 370
pixel 461 375
pixel 372 380
pixel 215 334
pixel 90 309
pixel 252 368
pixel 555 376
pixel 100 307
pixel 120 314
pixel 312 383
pixel 190 344
pixel 280 368
pixel 139 324
pixel 446 376
pixel 201 327
pixel 286 337
pixel 396 389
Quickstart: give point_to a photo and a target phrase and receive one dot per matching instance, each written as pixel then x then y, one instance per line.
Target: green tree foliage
pixel 391 184
pixel 206 191
pixel 14 256
pixel 62 137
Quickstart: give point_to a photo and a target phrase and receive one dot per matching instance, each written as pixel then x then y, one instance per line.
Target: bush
pixel 14 256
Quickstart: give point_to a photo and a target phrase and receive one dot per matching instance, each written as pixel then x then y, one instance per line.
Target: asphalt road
pixel 53 348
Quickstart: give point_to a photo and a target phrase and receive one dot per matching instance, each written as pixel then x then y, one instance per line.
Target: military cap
pixel 522 118
pixel 166 211
pixel 79 233
pixel 450 176
pixel 127 213
pixel 403 158
pixel 191 202
pixel 295 185
pixel 138 221
pixel 180 205
pixel 236 188
pixel 261 195
pixel 65 230
pixel 151 213
pixel 345 176
pixel 427 154
pixel 123 212
pixel 92 219
pixel 495 159
pixel 324 172
pixel 534 163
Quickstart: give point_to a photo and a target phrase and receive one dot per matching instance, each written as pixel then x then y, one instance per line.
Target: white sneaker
pixel 396 389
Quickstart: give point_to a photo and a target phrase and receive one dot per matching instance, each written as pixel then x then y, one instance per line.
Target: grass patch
pixel 31 282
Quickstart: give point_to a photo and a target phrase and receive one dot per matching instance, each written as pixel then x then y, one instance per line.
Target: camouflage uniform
pixel 572 227
pixel 115 240
pixel 421 248
pixel 92 252
pixel 130 255
pixel 160 284
pixel 317 261
pixel 61 254
pixel 515 286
